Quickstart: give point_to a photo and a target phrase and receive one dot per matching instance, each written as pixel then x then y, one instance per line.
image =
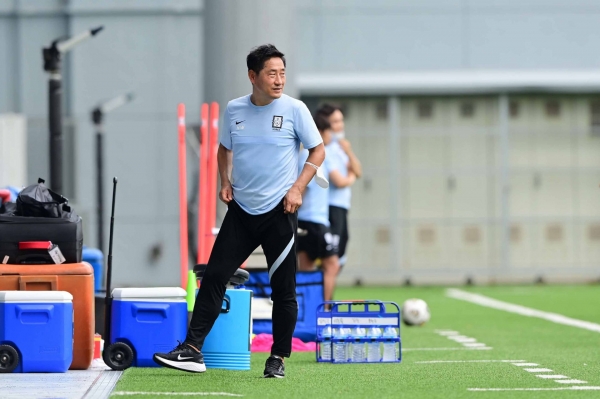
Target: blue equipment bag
pixel 309 294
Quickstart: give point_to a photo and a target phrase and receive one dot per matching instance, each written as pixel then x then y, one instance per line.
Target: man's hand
pixel 292 200
pixel 226 193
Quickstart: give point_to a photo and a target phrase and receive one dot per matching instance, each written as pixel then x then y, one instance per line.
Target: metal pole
pixel 504 186
pixel 97 119
pixel 55 125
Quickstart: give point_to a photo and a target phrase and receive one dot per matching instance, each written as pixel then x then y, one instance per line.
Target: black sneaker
pixel 183 357
pixel 274 367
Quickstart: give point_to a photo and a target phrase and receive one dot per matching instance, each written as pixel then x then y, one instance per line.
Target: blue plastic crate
pixel 38 326
pixel 149 320
pixel 358 332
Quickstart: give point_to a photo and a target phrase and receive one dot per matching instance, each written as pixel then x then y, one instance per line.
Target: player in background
pixel 313 218
pixel 345 168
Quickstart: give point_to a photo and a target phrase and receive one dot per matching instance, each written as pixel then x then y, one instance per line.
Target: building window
pixel 513 109
pixel 552 109
pixel 381 110
pixel 595 117
pixel 467 109
pixel 425 110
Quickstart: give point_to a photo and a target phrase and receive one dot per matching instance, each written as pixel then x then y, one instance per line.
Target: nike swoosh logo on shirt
pixel 237 123
pixel 183 358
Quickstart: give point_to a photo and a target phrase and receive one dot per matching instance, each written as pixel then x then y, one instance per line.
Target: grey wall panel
pixel 546 41
pixel 158 57
pixel 132 264
pixel 7 65
pixel 369 43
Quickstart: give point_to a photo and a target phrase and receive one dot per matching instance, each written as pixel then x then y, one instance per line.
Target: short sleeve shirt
pixel 265 142
pixel 338 196
pixel 315 201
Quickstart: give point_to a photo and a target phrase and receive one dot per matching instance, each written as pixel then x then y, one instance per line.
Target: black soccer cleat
pixel 274 367
pixel 183 357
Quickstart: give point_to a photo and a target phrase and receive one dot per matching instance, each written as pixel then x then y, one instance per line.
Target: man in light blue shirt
pixel 261 135
pixel 313 219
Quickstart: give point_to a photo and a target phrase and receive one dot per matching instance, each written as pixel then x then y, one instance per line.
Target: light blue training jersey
pixel 315 201
pixel 339 197
pixel 265 142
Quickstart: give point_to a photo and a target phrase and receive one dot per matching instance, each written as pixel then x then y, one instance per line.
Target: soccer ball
pixel 415 312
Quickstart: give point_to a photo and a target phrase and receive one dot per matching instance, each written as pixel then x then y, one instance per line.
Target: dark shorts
pixel 338 218
pixel 318 241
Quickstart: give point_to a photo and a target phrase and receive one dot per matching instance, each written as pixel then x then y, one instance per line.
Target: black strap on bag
pixel 38 200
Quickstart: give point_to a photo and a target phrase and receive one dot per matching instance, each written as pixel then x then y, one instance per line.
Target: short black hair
pixel 327 109
pixel 322 123
pixel 261 54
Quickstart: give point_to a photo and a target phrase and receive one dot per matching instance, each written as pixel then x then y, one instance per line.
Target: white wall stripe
pixel 522 310
pixel 575 388
pixel 551 376
pixel 538 370
pixel 281 258
pixel 571 382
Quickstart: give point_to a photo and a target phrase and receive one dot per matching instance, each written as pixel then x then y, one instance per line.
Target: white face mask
pixel 320 179
pixel 335 136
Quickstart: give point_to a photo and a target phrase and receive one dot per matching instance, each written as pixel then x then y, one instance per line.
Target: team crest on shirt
pixel 277 122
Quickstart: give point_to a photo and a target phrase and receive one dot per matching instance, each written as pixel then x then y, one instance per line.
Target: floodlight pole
pixel 52 57
pixel 97 118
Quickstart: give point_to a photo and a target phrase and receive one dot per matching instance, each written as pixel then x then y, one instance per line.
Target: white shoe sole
pixel 272 376
pixel 191 367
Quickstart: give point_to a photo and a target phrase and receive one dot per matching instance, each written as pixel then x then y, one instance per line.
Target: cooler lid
pixel 149 294
pixel 35 296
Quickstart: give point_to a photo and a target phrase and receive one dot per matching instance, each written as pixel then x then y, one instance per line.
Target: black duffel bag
pixel 38 200
pixel 39 217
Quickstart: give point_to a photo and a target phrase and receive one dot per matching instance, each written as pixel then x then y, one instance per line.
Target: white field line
pixel 129 393
pixel 445 349
pixel 522 310
pixel 552 376
pixel 571 382
pixel 575 388
pixel 467 361
pixel 474 345
pixel 526 364
pixel 467 342
pixel 538 370
pixel 447 332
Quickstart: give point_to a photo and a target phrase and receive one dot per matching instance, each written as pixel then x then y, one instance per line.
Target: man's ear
pixel 252 76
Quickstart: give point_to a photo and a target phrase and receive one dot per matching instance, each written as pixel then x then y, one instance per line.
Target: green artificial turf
pixel 566 350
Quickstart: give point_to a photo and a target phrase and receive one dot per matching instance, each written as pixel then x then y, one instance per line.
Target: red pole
pixel 202 187
pixel 183 226
pixel 212 173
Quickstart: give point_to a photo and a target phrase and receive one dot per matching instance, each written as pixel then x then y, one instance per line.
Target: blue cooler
pixel 36 331
pixel 227 346
pixel 95 258
pixel 149 320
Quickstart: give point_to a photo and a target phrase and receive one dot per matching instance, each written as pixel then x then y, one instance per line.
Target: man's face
pixel 271 79
pixel 336 120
